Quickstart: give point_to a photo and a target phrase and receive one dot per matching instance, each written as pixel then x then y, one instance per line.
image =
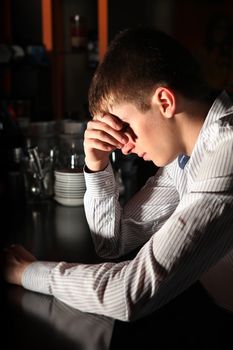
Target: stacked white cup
pixel 69 187
pixel 69 184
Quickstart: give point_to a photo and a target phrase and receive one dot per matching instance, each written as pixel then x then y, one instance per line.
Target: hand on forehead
pixel 116 123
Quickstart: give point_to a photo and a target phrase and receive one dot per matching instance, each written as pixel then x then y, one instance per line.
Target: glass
pixel 38 173
pixel 70 152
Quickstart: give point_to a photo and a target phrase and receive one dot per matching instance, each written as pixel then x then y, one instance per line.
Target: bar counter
pixel 35 321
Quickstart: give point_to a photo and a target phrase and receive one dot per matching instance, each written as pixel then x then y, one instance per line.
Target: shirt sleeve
pixel 191 240
pixel 118 230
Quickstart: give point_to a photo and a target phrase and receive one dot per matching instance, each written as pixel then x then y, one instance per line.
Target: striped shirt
pixel 181 222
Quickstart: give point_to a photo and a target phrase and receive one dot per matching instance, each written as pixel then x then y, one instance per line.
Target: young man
pixel 148 97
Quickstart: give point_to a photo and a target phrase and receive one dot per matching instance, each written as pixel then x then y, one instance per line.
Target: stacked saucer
pixel 69 187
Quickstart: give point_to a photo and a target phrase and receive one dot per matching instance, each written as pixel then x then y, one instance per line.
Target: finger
pixel 103 131
pixel 20 252
pixel 111 120
pixel 127 149
pixel 7 258
pixel 98 138
pixel 100 145
pixel 24 252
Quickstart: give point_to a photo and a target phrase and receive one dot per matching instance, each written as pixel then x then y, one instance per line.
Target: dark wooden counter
pixel 34 321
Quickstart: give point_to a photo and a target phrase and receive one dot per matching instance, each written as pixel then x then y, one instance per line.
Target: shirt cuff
pixel 36 277
pixel 101 183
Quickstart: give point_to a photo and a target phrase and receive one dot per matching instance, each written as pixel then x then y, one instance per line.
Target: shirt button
pixel 108 182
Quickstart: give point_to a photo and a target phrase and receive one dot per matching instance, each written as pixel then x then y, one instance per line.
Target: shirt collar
pixel 183 160
pixel 222 105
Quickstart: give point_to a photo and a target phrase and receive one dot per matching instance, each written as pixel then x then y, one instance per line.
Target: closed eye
pixel 129 131
pixel 125 127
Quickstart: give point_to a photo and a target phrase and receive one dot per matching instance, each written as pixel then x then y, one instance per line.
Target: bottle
pixel 78 32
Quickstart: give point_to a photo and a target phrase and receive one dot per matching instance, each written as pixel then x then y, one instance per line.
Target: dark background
pixel 52 85
pixel 204 26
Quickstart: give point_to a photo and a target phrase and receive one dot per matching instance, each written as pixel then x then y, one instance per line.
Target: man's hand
pixel 15 260
pixel 103 135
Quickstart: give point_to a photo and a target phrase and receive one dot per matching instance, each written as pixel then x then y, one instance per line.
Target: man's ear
pixel 164 98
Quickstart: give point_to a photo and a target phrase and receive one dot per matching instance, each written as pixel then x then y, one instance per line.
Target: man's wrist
pixel 95 167
pixel 90 171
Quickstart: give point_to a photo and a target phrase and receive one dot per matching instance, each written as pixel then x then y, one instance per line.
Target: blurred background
pixel 49 50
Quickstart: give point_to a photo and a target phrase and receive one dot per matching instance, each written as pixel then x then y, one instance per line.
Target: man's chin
pixel 160 163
